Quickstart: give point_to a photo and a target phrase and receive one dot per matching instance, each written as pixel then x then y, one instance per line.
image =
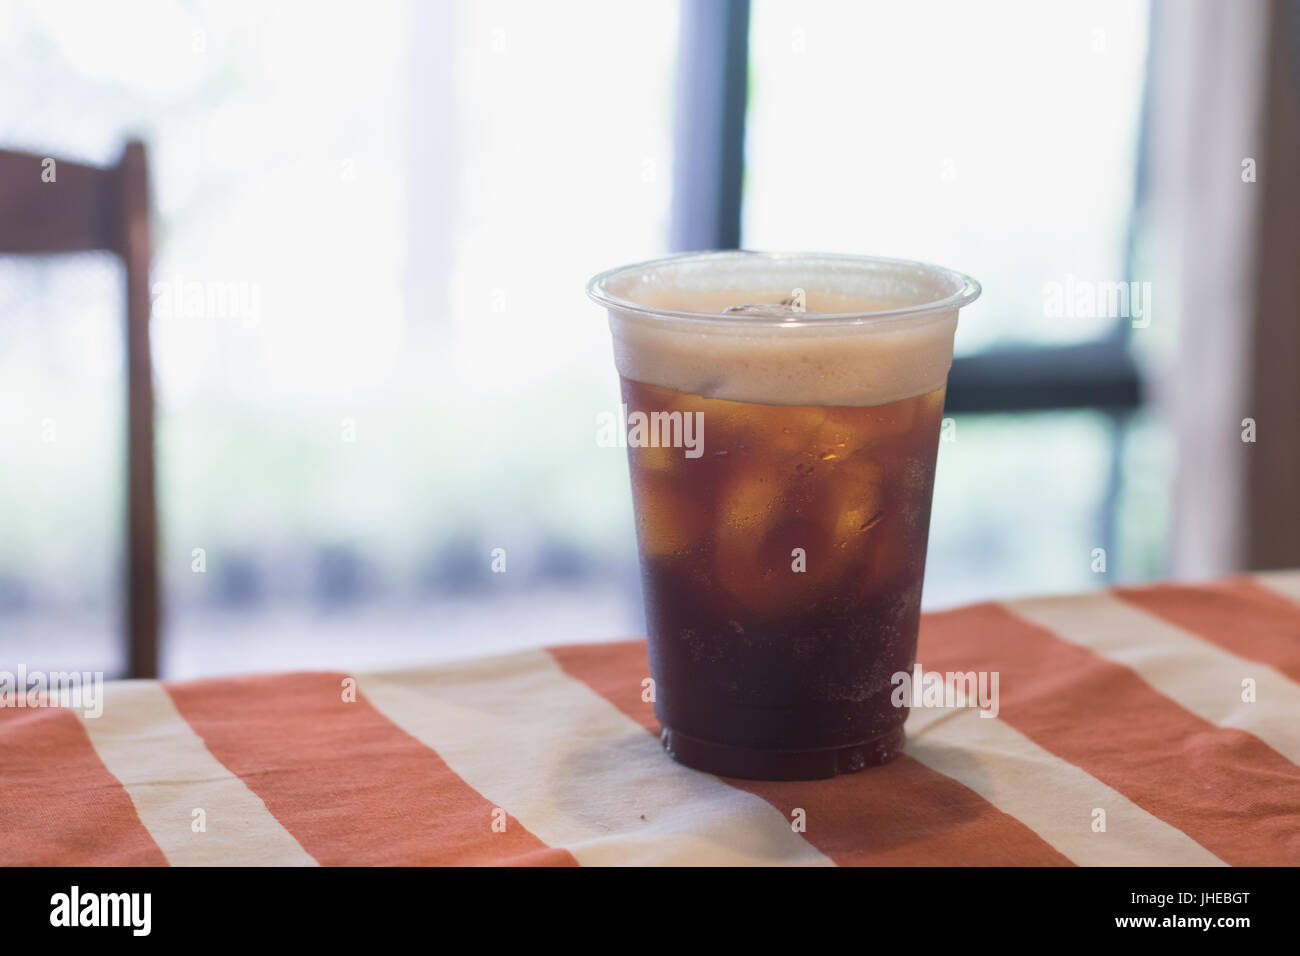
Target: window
pixel 1004 144
pixel 375 359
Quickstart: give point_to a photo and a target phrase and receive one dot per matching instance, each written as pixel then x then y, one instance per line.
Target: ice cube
pixel 669 518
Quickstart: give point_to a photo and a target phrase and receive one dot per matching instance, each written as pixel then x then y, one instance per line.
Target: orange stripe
pixel 59 805
pixel 900 814
pixel 350 785
pixel 1239 616
pixel 1224 788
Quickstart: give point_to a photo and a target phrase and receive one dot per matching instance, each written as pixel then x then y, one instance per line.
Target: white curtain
pixel 1197 229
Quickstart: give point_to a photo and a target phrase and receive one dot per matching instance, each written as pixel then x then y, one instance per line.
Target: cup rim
pixel 967 291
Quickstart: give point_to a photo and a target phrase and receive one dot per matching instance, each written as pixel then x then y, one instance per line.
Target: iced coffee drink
pixel 783 551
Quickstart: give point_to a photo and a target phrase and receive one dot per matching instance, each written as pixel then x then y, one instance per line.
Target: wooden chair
pixel 50 206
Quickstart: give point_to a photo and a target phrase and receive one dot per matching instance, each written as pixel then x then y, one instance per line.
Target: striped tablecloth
pixel 1125 705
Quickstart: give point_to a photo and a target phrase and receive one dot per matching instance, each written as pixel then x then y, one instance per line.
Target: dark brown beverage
pixel 782 571
pixel 784 415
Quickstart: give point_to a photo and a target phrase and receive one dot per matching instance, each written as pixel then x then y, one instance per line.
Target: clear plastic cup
pixel 783 416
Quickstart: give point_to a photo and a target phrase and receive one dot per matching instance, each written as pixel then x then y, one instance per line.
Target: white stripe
pixel 1051 796
pixel 169 773
pixel 1198 675
pixel 576 771
pixel 1285 583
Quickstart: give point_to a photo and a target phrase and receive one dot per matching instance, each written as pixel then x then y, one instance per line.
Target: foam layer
pixel 855 346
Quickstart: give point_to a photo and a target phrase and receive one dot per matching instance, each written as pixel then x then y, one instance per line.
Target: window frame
pixel 708 183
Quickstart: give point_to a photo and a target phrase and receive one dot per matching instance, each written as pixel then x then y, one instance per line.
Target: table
pixel 1156 725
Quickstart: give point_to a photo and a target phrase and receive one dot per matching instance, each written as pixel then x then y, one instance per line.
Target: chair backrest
pixel 50 206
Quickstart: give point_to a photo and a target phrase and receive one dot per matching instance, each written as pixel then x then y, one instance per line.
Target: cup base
pixel 750 764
